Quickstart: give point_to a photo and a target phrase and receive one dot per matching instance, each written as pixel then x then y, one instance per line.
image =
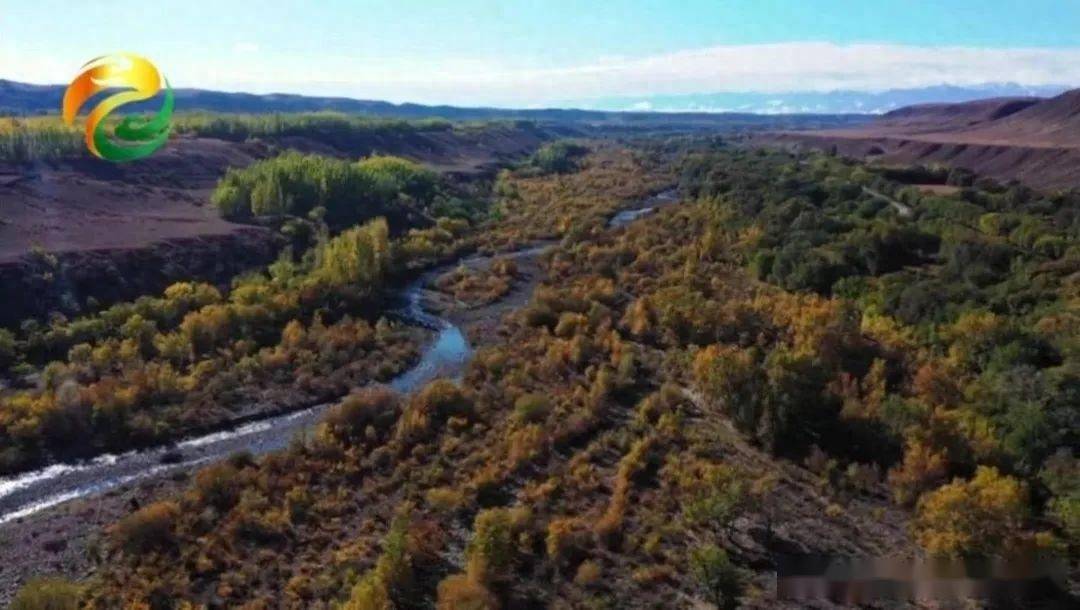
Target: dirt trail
pixel 903 209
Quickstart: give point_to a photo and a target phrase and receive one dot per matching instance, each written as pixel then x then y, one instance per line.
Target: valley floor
pixel 656 409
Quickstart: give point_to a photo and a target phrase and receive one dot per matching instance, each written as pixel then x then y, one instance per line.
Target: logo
pixel 133 137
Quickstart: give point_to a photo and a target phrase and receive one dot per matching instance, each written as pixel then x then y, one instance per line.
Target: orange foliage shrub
pixel 935 383
pixel 218 485
pixel 151 528
pixel 922 468
pixel 567 539
pixel 363 416
pixel 435 404
pixel 634 461
pixel 460 592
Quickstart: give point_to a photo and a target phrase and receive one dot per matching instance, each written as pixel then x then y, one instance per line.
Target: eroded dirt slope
pixel 1034 141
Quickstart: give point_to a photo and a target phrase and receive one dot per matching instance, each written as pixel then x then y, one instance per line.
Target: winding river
pixel 28 493
pixel 31 492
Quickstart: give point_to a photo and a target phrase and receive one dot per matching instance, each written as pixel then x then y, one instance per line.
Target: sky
pixel 533 53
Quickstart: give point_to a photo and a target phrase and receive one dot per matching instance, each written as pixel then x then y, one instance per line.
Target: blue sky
pixel 522 53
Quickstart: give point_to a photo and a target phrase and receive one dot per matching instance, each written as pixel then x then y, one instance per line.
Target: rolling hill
pixel 1031 140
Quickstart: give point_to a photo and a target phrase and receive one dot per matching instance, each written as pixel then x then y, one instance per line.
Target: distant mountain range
pixel 832 102
pixel 727 110
pixel 23 98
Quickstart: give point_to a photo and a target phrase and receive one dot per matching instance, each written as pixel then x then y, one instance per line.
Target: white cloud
pixel 766 68
pixel 777 68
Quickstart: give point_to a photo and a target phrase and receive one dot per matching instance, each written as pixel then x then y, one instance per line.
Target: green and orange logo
pixel 134 137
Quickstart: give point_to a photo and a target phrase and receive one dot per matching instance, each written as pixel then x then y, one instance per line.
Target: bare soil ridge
pixel 1031 140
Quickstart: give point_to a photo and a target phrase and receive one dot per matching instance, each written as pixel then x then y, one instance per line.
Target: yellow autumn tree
pixel 731 377
pixel 982 516
pixel 923 466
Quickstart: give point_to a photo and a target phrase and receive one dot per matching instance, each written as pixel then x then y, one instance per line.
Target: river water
pixel 448 354
pixel 655 202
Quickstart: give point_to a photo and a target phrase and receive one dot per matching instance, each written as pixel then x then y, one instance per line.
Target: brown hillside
pixel 953 116
pixel 1053 122
pixel 1033 141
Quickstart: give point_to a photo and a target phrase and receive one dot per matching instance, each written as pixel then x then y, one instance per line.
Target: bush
pixel 558 157
pixel 717 576
pixel 444 399
pixel 47 594
pixel 460 592
pixel 256 520
pixel 369 594
pixel 364 415
pixel 588 573
pixel 630 466
pixel 218 485
pixel 446 499
pixel 151 528
pixel 540 314
pixel 494 545
pixel 715 494
pixel 531 408
pixel 435 404
pixel 567 539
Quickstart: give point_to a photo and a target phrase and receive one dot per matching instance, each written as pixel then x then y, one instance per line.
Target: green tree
pixel 732 378
pixel 718 578
pixel 388 584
